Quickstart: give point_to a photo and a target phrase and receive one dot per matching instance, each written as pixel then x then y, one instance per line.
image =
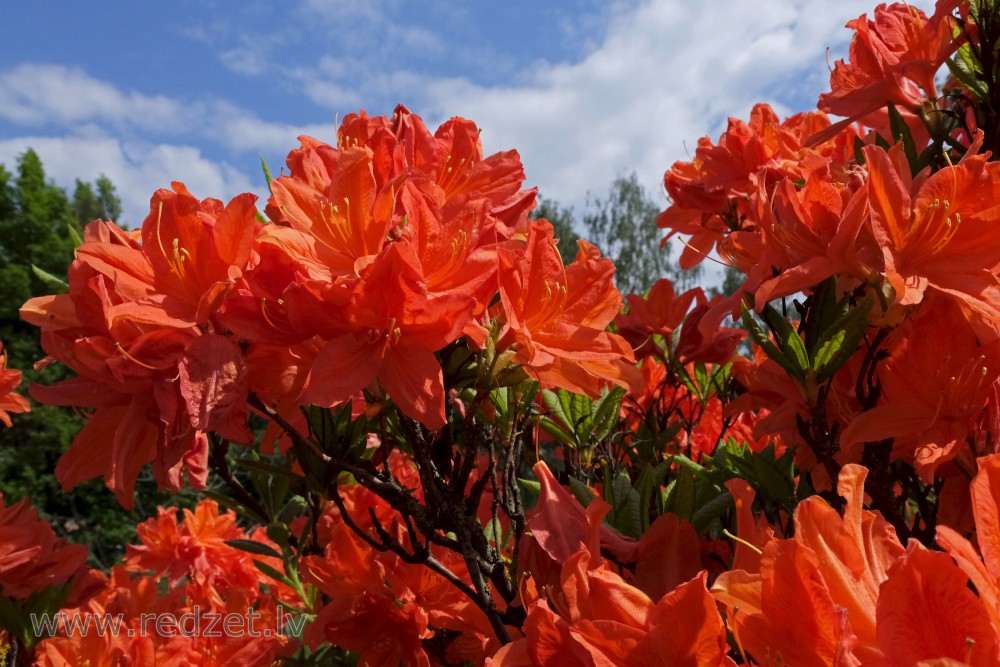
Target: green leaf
pixel 901 133
pixel 720 379
pixel 968 72
pixel 701 377
pixel 273 573
pixel 689 383
pixel 501 399
pixel 770 349
pixel 681 500
pixel 559 405
pixel 581 491
pixel 644 487
pixel 685 462
pixel 279 533
pixel 235 505
pixel 265 468
pixel 267 174
pixel 838 343
pixel 254 547
pixel 605 411
pixel 624 501
pixel 791 343
pixel 10 618
pixel 712 510
pixel 74 236
pixel 823 310
pixel 859 155
pixel 54 283
pixel 775 477
pixel 530 486
pixel 558 432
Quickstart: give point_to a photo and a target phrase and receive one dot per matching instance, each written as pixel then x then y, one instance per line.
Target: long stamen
pixel 736 635
pixel 741 541
pixel 307 225
pixel 704 253
pixel 118 346
pixel 180 254
pixel 159 230
pixel 263 311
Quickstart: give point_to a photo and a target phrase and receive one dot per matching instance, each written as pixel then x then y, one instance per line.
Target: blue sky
pixel 195 90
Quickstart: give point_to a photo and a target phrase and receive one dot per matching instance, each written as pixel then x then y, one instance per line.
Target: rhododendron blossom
pixel 456 448
pixel 10 401
pixel 31 556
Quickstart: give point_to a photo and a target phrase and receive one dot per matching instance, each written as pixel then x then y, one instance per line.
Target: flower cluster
pixel 377 254
pixel 456 449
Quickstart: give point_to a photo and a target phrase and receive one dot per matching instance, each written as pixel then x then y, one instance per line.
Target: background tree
pixel 562 221
pixel 623 225
pixel 36 219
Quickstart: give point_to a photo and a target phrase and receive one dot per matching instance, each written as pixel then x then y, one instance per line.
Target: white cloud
pixel 245 60
pixel 666 73
pixel 340 10
pixel 241 130
pixel 34 94
pixel 137 169
pixel 661 74
pixel 53 95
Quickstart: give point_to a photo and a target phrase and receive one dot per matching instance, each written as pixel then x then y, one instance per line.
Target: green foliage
pixel 562 221
pixel 772 477
pixel 622 225
pixel 578 421
pixel 15 614
pixel 832 332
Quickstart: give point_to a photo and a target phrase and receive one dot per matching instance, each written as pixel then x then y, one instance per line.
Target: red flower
pixel 31 557
pixel 9 400
pixel 939 232
pixel 931 403
pixel 556 316
pixel 391 328
pixel 892 59
pixel 813 599
pixel 138 326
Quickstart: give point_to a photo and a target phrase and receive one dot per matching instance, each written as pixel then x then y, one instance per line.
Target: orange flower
pixel 138 326
pixel 926 611
pixel 197 249
pixel 984 571
pixel 595 617
pixel 31 556
pixel 660 312
pixel 711 196
pixel 451 159
pixel 181 550
pixel 813 600
pixel 392 327
pixel 336 213
pixel 939 232
pixel 9 400
pixel 556 316
pixel 935 387
pixel 843 591
pixel 810 233
pixel 892 59
pixel 380 605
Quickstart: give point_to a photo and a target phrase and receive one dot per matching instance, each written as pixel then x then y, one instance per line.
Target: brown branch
pixel 297 438
pixel 217 461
